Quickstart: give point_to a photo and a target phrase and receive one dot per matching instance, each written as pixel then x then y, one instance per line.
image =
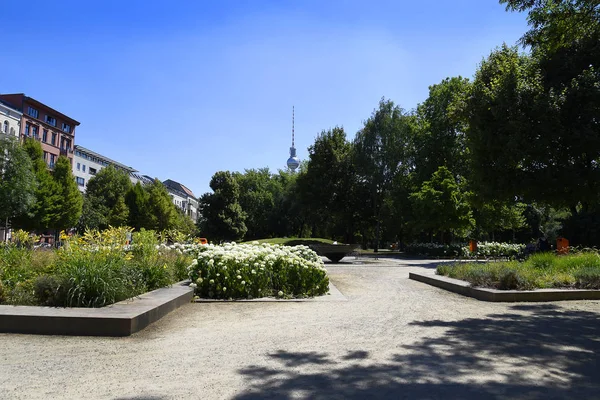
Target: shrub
pixel 588 278
pixel 253 270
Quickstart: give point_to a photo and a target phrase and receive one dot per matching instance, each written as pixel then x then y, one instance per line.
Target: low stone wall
pixel 540 295
pixel 119 319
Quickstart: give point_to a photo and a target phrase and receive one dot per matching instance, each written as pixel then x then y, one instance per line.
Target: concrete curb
pixel 119 319
pixel 333 295
pixel 494 295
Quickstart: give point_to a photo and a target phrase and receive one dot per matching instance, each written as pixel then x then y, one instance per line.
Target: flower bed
pixel 484 250
pixel 544 270
pixel 242 271
pixel 94 270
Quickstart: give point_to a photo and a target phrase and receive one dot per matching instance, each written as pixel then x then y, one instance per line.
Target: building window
pixel 92 171
pixel 27 127
pixel 83 167
pixel 50 120
pixel 80 181
pixel 34 131
pixel 78 166
pixel 5 127
pixel 66 128
pixel 53 139
pixel 33 112
pixel 52 160
pixel 45 156
pixel 45 135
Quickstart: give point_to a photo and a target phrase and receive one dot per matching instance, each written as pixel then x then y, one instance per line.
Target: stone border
pixel 119 319
pixel 464 288
pixel 333 295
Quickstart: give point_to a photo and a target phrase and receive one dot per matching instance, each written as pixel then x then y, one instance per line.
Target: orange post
pixel 562 245
pixel 472 246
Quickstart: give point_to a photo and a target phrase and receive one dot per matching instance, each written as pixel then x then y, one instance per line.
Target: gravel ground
pixel 390 338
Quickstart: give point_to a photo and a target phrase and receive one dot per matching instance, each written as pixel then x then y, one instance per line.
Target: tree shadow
pixel 530 352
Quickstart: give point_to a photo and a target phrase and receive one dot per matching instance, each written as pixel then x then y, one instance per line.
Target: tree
pixel 104 202
pixel 71 200
pixel 17 180
pixel 45 211
pixel 326 185
pixel 136 200
pixel 257 199
pixel 381 152
pixel 439 138
pixel 162 211
pixel 222 217
pixel 441 206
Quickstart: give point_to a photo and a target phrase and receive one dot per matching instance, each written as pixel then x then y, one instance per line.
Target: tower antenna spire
pixel 293 162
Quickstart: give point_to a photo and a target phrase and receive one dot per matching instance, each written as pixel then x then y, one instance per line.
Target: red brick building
pixel 53 129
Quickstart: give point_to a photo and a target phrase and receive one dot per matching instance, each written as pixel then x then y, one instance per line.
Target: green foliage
pixel 440 205
pixel 45 211
pixel 251 271
pixel 222 215
pixel 17 180
pixel 71 201
pixel 160 209
pixel 544 270
pixel 137 205
pixel 104 202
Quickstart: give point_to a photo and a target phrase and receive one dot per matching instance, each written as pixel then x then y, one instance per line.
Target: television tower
pixel 293 162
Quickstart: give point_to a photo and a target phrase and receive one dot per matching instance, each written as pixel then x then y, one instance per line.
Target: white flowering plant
pixel 241 271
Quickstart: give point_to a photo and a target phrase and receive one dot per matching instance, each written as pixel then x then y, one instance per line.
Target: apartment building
pixel 183 198
pixel 55 130
pixel 10 120
pixel 87 163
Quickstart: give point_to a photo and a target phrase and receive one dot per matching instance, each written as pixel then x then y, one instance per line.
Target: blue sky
pixel 182 90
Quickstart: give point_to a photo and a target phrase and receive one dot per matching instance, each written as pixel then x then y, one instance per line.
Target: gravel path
pixel 391 338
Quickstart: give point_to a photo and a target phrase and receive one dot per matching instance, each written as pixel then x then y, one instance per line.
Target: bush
pixel 544 270
pixel 434 250
pixel 248 271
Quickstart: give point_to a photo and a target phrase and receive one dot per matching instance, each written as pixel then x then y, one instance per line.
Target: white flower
pixel 212 281
pixel 239 277
pixel 224 289
pixel 218 274
pixel 243 282
pixel 280 293
pixel 193 285
pixel 199 280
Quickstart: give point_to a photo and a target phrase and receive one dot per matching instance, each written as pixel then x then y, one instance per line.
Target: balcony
pixel 65 151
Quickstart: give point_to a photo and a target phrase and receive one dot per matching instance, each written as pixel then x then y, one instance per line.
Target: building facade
pixel 183 198
pixel 10 120
pixel 87 163
pixel 55 130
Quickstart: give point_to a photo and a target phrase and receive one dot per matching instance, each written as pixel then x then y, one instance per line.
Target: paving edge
pixel 494 295
pixel 119 319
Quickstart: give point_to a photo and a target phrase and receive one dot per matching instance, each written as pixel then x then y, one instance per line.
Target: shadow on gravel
pixel 560 347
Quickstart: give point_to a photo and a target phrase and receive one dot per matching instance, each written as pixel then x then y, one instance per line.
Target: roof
pixel 39 103
pixel 11 106
pixel 143 178
pixel 100 156
pixel 179 187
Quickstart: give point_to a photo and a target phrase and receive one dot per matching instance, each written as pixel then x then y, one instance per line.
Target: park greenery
pixel 246 271
pixel 91 270
pixel 544 270
pixel 511 155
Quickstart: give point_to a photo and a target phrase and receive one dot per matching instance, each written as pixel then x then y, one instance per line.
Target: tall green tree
pixel 71 200
pixel 163 213
pixel 222 217
pixel 381 152
pixel 326 186
pixel 257 198
pixel 136 200
pixel 439 138
pixel 46 209
pixel 104 201
pixel 18 183
pixel 441 206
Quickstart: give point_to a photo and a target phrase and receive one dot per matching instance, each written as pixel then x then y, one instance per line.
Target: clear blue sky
pixel 182 89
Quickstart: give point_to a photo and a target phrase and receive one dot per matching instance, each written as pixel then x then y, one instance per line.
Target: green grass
pixel 293 241
pixel 539 271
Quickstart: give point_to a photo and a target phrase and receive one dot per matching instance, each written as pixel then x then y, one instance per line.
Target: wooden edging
pixel 119 319
pixel 464 288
